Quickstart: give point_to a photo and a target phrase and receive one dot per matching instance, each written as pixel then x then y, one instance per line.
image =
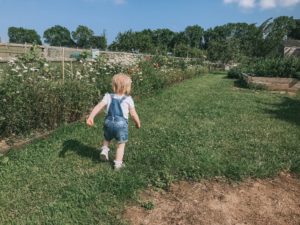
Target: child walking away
pixel 118 105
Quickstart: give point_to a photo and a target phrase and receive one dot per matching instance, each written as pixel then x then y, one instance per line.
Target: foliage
pixel 58 36
pixel 295 32
pixel 274 67
pixel 98 42
pixel 194 35
pixel 232 41
pixel 235 73
pixel 162 39
pixel 133 42
pixel 148 205
pixel 274 32
pixel 37 96
pixel 21 35
pixel 82 36
pixel 182 50
pixel 34 96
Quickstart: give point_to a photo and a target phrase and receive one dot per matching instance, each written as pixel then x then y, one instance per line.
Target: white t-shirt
pixel 126 104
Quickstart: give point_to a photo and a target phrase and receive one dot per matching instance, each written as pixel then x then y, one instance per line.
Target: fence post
pixel 72 69
pixel 63 64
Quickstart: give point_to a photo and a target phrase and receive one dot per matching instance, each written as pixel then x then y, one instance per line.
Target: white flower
pixel 25 67
pixel 12 61
pixel 46 64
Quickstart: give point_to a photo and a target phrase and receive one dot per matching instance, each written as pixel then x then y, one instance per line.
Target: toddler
pixel 118 105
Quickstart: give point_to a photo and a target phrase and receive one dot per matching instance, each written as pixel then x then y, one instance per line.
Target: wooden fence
pixel 9 51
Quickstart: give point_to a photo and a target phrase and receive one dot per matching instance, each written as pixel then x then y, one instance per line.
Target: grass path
pixel 198 129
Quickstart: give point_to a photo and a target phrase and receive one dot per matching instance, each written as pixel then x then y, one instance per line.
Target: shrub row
pixel 269 67
pixel 33 95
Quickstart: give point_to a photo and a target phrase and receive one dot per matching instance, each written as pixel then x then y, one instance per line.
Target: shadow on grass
pixel 80 149
pixel 288 110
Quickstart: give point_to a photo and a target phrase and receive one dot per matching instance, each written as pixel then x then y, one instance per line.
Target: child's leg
pixel 105 143
pixel 120 152
pixel 105 150
pixel 119 155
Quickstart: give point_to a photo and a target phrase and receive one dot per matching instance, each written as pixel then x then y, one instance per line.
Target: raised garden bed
pixel 274 83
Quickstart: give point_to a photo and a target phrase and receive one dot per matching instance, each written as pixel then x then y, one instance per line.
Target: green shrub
pixel 275 67
pixel 235 73
pixel 44 105
pixel 35 95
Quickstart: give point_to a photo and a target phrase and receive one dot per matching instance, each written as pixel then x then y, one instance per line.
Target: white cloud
pixel 288 3
pixel 267 4
pixel 242 3
pixel 263 4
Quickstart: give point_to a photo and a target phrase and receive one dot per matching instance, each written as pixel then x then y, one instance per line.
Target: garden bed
pixel 274 83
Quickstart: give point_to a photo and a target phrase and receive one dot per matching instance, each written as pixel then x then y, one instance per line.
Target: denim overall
pixel 115 124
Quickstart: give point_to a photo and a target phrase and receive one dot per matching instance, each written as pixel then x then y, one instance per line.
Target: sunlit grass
pixel 198 129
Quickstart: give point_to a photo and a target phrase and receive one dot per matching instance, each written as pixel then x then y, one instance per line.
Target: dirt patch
pixel 260 202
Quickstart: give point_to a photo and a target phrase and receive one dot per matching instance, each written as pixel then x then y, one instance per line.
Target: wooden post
pixel 63 64
pixel 72 69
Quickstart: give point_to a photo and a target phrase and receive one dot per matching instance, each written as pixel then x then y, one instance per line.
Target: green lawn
pixel 197 129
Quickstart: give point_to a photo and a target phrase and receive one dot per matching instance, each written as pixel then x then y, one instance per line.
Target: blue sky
pixel 115 16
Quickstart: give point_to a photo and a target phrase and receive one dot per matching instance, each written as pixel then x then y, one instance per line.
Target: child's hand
pixel 90 122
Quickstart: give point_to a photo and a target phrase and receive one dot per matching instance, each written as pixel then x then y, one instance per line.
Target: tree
pixel 223 51
pixel 274 32
pixel 21 35
pixel 82 36
pixel 162 40
pixel 58 36
pixel 133 41
pixel 99 42
pixel 230 42
pixel 123 41
pixel 295 32
pixel 194 35
pixel 179 39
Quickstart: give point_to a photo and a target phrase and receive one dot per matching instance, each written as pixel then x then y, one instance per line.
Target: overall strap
pixel 122 99
pixel 115 106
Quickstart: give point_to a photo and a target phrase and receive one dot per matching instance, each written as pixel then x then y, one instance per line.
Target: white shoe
pixel 104 154
pixel 119 165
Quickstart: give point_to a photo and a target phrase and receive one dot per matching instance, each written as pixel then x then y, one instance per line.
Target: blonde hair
pixel 121 83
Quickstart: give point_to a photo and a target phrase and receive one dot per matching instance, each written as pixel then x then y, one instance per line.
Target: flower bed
pixel 35 94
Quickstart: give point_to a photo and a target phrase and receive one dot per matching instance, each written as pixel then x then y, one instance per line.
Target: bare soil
pixel 253 202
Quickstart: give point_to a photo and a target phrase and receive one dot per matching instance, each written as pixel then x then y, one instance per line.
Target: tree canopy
pixel 58 36
pixel 21 35
pixel 225 43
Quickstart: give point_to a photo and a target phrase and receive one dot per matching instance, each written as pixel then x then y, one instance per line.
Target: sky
pixel 114 16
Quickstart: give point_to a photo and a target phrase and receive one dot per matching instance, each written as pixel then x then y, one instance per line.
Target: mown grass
pixel 198 129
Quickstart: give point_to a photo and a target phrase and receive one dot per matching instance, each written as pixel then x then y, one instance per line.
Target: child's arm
pixel 95 111
pixel 135 117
